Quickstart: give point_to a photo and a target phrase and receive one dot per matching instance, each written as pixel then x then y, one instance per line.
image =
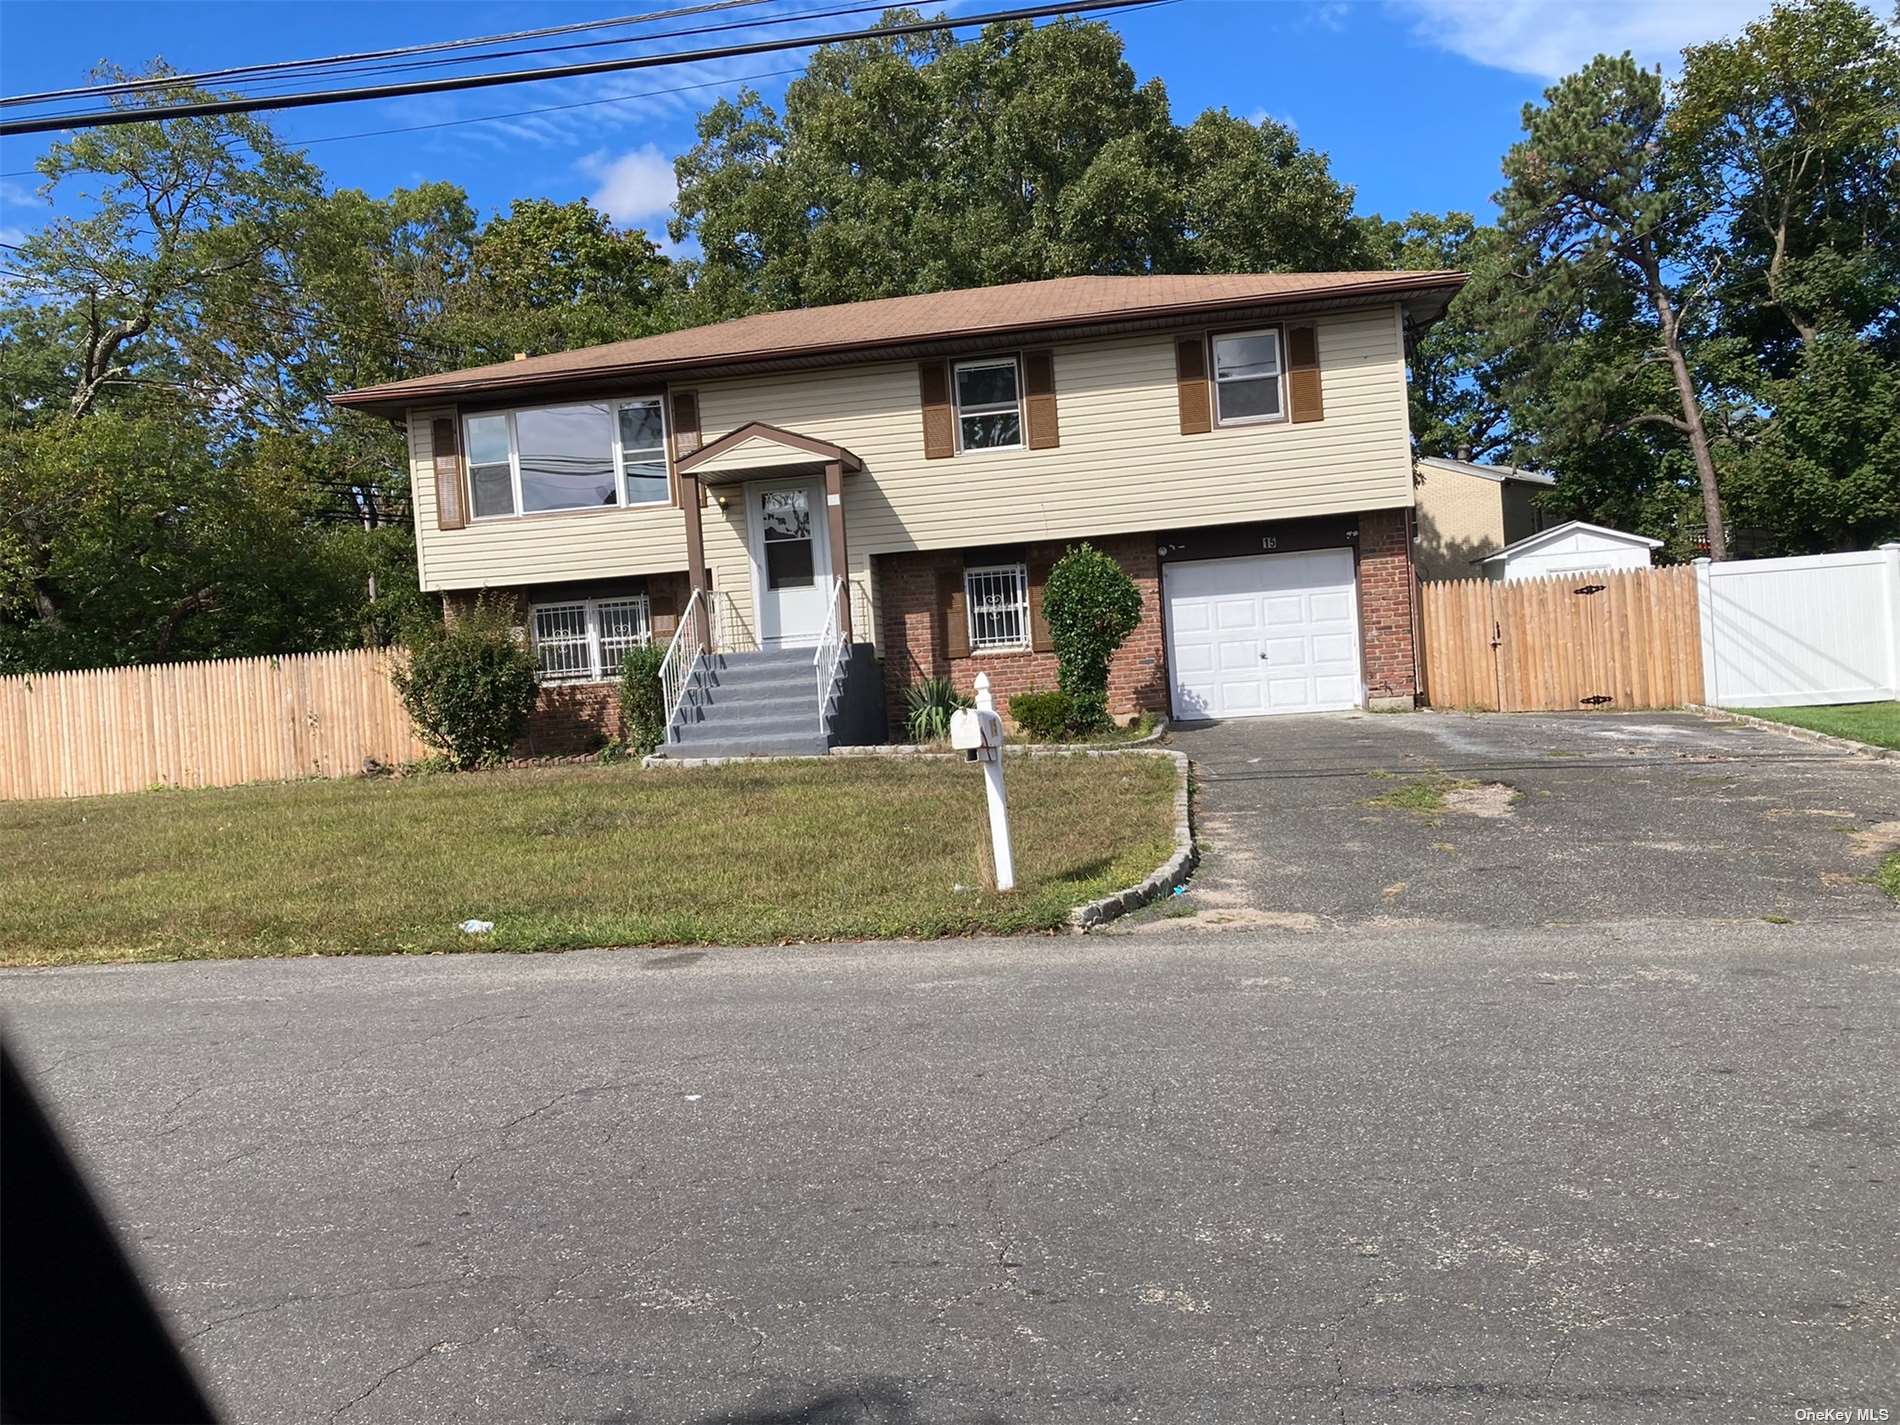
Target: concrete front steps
pixel 766 705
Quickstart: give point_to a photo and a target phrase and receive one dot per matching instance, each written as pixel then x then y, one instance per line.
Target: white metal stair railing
pixel 829 657
pixel 682 657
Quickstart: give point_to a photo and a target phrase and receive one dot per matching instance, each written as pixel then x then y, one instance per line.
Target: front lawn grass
pixel 560 858
pixel 1876 723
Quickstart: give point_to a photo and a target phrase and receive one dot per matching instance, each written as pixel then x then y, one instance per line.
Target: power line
pixel 168 81
pixel 264 86
pixel 111 117
pixel 511 114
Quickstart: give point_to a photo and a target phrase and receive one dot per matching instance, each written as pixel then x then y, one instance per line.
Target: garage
pixel 1263 634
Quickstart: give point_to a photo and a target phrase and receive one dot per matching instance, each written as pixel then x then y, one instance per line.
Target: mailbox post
pixel 978 733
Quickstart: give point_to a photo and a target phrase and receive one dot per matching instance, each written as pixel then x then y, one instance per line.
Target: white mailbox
pixel 977 731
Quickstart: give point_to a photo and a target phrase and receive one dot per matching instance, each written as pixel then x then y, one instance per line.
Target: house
pixel 816 508
pixel 1570 548
pixel 1467 510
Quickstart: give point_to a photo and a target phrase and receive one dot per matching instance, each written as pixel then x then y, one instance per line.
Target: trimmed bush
pixel 642 701
pixel 1092 606
pixel 469 684
pixel 927 708
pixel 1043 717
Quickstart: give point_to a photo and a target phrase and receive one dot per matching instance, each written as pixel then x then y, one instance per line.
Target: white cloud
pixel 1261 115
pixel 18 195
pixel 1549 38
pixel 634 187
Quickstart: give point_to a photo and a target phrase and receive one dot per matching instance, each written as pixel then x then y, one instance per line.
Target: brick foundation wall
pixel 1385 604
pixel 574 718
pixel 914 645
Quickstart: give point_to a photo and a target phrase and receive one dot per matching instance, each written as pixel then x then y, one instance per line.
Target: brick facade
pixel 574 718
pixel 1386 607
pixel 914 646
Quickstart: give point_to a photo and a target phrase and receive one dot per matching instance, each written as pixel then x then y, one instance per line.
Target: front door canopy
pixel 757 449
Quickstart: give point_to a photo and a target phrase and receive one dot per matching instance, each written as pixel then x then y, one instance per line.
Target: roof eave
pixel 392 398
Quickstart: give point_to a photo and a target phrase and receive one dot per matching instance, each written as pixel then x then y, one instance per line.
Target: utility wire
pixel 511 114
pixel 261 89
pixel 111 117
pixel 437 46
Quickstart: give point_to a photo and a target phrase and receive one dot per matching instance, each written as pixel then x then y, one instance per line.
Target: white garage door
pixel 1269 633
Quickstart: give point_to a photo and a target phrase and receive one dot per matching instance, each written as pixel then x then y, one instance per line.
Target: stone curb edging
pixel 1165 877
pixel 1804 734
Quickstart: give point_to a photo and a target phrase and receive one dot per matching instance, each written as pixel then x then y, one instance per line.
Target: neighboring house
pixel 1467 510
pixel 1572 548
pixel 1238 443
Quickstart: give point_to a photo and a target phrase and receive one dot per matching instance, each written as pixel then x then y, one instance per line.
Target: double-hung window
pixel 997 596
pixel 572 457
pixel 989 404
pixel 586 640
pixel 1247 377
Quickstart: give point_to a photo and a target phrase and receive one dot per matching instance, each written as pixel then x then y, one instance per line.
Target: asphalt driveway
pixel 1568 818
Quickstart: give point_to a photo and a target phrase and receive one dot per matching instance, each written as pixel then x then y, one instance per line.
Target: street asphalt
pixel 1640 1170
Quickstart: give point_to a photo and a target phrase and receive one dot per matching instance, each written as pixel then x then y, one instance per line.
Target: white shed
pixel 1573 548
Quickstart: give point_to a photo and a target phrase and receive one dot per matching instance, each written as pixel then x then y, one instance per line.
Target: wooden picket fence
pixel 211 724
pixel 1613 640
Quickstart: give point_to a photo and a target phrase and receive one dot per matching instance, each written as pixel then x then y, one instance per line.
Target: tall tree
pixel 1456 379
pixel 1605 239
pixel 919 163
pixel 1789 137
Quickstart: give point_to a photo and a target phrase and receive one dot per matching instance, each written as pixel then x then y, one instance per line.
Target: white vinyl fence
pixel 1823 628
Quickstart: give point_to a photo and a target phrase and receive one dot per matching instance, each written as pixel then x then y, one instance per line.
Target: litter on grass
pixel 477 927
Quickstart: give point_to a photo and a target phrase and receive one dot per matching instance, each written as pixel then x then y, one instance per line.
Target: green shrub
pixel 1092 606
pixel 927 708
pixel 469 684
pixel 642 701
pixel 1043 717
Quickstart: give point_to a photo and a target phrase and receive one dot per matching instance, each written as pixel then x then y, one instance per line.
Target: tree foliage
pixel 918 164
pixel 1691 305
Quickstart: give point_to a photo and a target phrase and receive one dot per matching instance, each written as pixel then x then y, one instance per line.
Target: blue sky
pixel 1414 100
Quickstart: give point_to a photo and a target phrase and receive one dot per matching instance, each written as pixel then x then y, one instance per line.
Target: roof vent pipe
pixel 1464 451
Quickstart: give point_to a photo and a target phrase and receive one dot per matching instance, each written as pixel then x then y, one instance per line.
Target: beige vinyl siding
pixel 1123 465
pixel 554 548
pixel 1459 518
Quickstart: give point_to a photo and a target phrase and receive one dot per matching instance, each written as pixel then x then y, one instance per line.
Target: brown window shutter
pixel 686 437
pixel 451 503
pixel 1039 638
pixel 933 385
pixel 956 613
pixel 1302 365
pixel 1190 375
pixel 1039 379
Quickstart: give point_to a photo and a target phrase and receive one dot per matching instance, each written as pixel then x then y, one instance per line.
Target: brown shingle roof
pixel 897 321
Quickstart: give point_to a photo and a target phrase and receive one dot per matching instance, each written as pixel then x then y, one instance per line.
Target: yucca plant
pixel 927 708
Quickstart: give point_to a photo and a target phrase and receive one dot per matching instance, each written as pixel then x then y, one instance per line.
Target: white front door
pixel 1267 633
pixel 791 561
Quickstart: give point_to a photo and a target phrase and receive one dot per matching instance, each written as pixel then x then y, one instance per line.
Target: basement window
pixel 587 640
pixel 997 597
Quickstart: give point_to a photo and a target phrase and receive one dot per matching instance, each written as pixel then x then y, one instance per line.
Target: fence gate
pixel 1610 640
